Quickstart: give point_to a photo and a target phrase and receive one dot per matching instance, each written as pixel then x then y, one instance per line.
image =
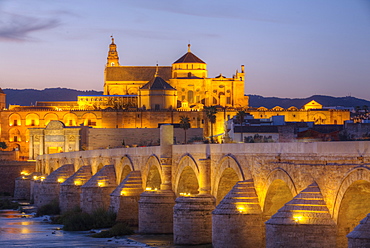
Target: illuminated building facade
pixel 146 96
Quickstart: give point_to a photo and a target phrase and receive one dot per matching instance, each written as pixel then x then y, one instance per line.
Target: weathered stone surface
pixel 192 219
pixel 95 193
pixel 237 220
pixel 305 221
pixel 335 166
pixel 49 188
pixel 156 212
pixel 22 188
pixel 70 190
pixel 124 200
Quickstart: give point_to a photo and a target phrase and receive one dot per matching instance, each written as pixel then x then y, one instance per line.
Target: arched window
pixel 190 96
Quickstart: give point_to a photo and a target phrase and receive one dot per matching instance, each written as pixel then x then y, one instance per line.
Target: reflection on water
pixel 20 230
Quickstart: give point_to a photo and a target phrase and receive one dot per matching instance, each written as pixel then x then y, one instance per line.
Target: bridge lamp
pixel 25 173
pixel 34 177
pixel 61 180
pixel 241 209
pixel 148 188
pixel 42 178
pixel 298 218
pixel 78 182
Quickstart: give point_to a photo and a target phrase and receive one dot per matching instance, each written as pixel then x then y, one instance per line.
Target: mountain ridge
pixel 29 97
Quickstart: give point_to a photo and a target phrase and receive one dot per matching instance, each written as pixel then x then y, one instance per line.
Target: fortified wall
pixel 230 195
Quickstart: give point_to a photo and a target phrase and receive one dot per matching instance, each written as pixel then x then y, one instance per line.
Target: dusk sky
pixel 290 48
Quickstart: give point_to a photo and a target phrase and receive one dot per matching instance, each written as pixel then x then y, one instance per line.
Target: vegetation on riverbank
pixel 119 229
pixel 49 209
pixel 8 204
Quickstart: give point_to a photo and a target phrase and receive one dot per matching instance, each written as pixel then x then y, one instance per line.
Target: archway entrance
pixel 227 181
pixel 154 178
pixel 188 182
pixel 277 195
pixel 354 206
pixel 125 171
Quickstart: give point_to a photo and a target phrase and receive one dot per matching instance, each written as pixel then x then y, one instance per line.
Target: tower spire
pixel 189 48
pixel 156 71
pixel 112 59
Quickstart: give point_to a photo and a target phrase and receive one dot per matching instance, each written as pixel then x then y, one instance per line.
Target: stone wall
pixel 358 130
pixel 10 170
pixel 113 137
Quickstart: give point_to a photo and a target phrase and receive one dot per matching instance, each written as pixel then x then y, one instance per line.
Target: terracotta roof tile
pixel 136 73
pixel 189 57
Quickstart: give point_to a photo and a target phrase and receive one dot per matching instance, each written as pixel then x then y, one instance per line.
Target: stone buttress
pixel 156 207
pixel 192 215
pixel 124 200
pixel 304 221
pixel 23 189
pixel 192 219
pixel 70 190
pixel 48 190
pixel 237 219
pixel 95 194
pixel 360 236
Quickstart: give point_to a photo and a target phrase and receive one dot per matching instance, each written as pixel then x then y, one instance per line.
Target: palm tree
pixel 185 124
pixel 211 115
pixel 240 119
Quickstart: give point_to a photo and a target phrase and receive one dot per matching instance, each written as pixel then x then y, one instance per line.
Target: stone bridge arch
pixel 152 174
pixel 99 162
pixel 227 173
pixel 352 201
pixel 123 168
pixel 279 189
pixel 187 176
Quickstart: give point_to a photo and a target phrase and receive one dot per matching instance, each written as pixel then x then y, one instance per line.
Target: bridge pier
pixel 95 194
pixel 70 190
pixel 302 221
pixel 49 189
pixel 237 220
pixel 124 200
pixel 192 220
pixel 156 212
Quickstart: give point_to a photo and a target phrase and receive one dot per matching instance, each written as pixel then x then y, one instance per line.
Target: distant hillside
pixel 29 97
pixel 326 101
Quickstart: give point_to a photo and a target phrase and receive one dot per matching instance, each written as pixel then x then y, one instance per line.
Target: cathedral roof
pixel 136 73
pixel 189 57
pixel 157 83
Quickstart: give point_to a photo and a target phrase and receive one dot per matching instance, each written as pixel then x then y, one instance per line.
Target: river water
pixel 24 230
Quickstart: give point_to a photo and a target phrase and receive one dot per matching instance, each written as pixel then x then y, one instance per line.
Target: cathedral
pixel 141 97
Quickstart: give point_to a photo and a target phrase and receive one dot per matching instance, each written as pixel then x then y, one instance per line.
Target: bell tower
pixel 112 59
pixel 2 100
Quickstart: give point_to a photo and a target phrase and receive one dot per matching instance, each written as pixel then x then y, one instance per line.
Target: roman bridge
pixel 233 195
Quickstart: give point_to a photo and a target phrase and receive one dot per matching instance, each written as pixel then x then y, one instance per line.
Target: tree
pixel 240 119
pixel 366 108
pixel 211 116
pixel 3 145
pixel 185 124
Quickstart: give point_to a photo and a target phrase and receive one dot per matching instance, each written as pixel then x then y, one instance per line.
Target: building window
pixel 15 139
pixel 15 123
pixel 157 107
pixel 190 96
pixel 32 122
